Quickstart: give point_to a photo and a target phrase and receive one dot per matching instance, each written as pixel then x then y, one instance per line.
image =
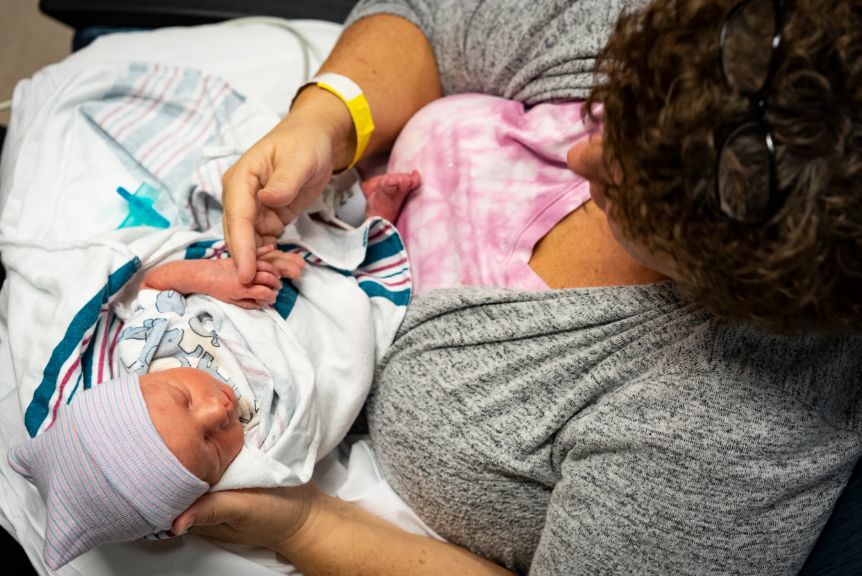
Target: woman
pixel 699 426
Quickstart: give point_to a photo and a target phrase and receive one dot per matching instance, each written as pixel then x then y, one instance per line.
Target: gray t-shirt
pixel 528 50
pixel 615 431
pixel 612 430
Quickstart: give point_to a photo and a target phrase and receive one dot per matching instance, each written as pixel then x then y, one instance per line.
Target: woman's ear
pixel 585 159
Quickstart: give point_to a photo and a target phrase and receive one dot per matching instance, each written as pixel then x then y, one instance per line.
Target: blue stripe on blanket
pixel 375 290
pixel 286 299
pixel 390 246
pixel 198 250
pixel 83 322
pixel 290 247
pixel 75 389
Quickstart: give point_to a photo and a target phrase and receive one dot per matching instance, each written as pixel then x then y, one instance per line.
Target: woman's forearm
pixel 341 538
pixel 393 63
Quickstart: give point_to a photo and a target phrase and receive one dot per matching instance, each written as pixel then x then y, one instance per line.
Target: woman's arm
pixel 283 173
pixel 322 535
pixel 392 61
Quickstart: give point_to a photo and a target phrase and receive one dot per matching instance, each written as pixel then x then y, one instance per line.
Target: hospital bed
pixel 837 552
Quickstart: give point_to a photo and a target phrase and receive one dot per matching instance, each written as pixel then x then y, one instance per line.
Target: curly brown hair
pixel 666 107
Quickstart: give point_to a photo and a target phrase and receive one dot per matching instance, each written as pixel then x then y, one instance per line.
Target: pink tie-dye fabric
pixel 494 182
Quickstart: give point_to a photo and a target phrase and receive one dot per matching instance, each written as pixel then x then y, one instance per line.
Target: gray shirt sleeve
pixel 534 52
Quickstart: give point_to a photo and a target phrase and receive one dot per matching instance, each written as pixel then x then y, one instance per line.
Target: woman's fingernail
pixel 184 526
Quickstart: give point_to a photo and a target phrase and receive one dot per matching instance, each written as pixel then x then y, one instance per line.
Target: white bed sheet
pixel 266 64
pixel 263 62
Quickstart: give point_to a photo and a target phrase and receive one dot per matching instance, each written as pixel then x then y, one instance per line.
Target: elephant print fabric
pixel 167 330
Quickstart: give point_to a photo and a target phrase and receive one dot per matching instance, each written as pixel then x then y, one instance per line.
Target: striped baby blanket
pixel 72 274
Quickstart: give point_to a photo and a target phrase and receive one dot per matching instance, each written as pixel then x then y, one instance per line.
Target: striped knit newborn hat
pixel 104 472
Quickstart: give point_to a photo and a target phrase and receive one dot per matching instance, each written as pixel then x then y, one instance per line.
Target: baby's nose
pixel 213 413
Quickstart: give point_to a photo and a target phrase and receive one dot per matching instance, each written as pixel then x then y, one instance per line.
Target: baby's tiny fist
pixel 288 264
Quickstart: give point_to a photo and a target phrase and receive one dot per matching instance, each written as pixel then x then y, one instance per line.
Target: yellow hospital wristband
pixel 352 96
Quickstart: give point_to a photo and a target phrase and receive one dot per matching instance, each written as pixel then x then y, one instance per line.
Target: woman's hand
pixel 320 534
pixel 269 517
pixel 283 174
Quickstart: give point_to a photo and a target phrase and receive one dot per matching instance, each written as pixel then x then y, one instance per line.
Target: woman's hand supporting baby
pixel 219 279
pixel 320 534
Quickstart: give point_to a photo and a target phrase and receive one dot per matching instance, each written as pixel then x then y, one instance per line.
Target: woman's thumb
pixel 280 190
pixel 183 522
pixel 206 511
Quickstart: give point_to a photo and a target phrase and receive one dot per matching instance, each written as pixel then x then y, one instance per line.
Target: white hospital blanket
pixel 40 154
pixel 315 348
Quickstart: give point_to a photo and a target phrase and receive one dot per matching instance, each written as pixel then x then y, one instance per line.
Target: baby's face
pixel 195 415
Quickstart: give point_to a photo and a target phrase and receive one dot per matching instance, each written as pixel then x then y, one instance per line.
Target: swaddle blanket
pixel 72 277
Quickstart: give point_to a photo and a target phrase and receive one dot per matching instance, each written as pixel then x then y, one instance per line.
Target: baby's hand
pixel 272 265
pixel 286 264
pixel 220 280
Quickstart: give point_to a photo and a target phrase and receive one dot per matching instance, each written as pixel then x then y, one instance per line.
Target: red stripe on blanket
pixel 65 380
pixel 136 121
pixel 138 91
pixel 120 325
pixel 166 136
pixel 387 267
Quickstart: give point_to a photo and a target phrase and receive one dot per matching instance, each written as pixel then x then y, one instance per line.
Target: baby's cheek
pixel 235 441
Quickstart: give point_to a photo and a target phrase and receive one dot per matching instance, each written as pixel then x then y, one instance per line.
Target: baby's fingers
pixel 264 266
pixel 260 294
pixel 265 249
pixel 289 264
pixel 268 279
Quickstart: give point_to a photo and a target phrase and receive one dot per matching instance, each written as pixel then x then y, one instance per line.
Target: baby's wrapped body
pixel 166 331
pixel 211 395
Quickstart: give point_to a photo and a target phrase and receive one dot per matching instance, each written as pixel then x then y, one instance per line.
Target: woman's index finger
pixel 240 213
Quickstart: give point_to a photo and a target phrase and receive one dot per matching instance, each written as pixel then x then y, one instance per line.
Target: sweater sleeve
pixel 533 52
pixel 656 485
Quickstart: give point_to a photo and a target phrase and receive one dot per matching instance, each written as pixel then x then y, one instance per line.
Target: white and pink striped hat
pixel 104 472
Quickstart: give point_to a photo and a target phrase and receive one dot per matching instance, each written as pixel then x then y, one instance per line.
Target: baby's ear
pixel 20 458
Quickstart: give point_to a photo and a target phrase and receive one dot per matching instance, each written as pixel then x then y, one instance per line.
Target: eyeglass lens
pixel 744 174
pixel 747 48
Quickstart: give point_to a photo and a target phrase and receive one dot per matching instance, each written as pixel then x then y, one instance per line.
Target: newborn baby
pixel 126 457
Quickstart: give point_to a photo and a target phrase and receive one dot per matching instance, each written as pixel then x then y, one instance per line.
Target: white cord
pixel 7 105
pixel 308 48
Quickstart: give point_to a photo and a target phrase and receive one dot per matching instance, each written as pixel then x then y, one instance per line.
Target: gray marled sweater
pixel 615 431
pixel 607 430
pixel 528 50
